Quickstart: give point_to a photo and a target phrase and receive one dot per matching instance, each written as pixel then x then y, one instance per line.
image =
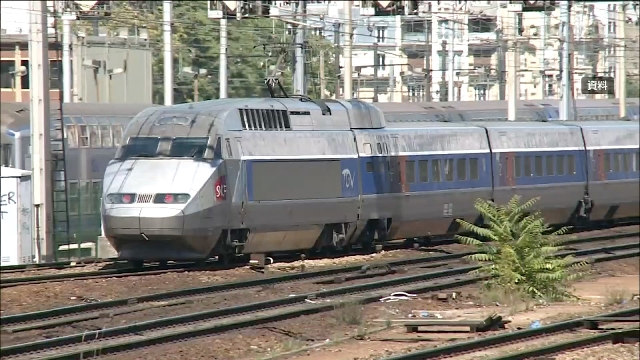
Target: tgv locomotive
pixel 266 175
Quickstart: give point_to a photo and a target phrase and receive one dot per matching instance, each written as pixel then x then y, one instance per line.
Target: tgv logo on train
pixel 347 178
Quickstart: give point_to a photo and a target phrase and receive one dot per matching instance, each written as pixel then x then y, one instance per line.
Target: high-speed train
pixel 92 133
pixel 267 175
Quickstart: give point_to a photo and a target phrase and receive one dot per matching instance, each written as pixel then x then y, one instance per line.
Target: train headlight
pixel 120 198
pixel 171 198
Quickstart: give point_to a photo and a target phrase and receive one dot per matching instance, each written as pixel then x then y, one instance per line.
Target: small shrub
pixel 520 251
pixel 617 296
pixel 350 313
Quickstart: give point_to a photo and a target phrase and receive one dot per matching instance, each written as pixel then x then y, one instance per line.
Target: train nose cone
pixel 161 221
pixel 149 221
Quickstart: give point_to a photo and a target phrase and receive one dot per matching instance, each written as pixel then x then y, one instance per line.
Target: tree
pixel 520 254
pixel 253 46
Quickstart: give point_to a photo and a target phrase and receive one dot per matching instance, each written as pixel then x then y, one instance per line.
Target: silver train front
pixel 172 219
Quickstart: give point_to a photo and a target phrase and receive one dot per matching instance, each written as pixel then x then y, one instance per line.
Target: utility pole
pixel 40 131
pixel 168 54
pixel 66 56
pixel 323 84
pixel 543 73
pixel 427 60
pixel 222 73
pixel 299 68
pixel 348 70
pixel 337 50
pixel 376 64
pixel 514 62
pixel 565 107
pixel 443 66
pixel 622 66
pixel 501 65
pixel 450 92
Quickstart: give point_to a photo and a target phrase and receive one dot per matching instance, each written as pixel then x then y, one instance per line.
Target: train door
pixel 393 161
pixel 507 166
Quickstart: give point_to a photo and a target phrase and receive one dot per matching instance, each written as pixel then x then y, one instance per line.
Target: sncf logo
pixel 221 188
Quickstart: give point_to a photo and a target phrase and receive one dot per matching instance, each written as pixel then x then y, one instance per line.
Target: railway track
pixel 75 313
pixel 581 333
pixel 154 269
pixel 176 328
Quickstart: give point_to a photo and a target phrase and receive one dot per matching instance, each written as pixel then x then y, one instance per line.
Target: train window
pixel 462 169
pixel 424 170
pixel 538 165
pixel 448 169
pixel 369 166
pixel 367 148
pixel 410 171
pixel 83 135
pixel 117 134
pixel 73 193
pixel 473 169
pixel 143 146
pixel 560 165
pixel 616 162
pixel 549 164
pixel 105 135
pixel 379 146
pixel 517 163
pixel 72 136
pixel 607 163
pixel 435 170
pixel 94 136
pixel 571 165
pixel 626 161
pixel 528 171
pixel 189 147
pixel 85 197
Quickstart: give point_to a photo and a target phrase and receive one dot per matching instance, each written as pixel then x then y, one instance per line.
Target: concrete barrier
pixel 105 250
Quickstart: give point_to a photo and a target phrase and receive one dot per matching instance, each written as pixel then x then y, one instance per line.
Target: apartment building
pixel 414 64
pixel 112 67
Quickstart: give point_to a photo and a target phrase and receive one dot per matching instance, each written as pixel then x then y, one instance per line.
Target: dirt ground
pixel 19 299
pixel 352 334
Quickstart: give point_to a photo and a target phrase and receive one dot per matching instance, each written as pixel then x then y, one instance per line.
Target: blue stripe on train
pixel 376 178
pixel 630 171
pixel 543 167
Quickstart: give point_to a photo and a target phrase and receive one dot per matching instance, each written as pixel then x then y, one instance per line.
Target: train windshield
pixel 178 147
pixel 192 147
pixel 141 147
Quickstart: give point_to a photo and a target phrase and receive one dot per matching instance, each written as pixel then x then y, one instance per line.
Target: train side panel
pixel 613 169
pixel 539 159
pixel 297 182
pixel 436 171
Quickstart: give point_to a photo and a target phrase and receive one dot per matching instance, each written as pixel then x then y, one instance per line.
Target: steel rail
pixel 51 318
pixel 590 341
pixel 116 339
pixel 256 307
pixel 179 267
pixel 506 338
pixel 216 288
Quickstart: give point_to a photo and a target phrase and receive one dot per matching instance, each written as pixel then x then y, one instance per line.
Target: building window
pixel 381 61
pixel 24 80
pixel 6 76
pixel 55 73
pixel 416 92
pixel 480 92
pixel 381 34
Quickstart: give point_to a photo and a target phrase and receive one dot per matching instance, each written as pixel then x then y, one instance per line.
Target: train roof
pixel 16 116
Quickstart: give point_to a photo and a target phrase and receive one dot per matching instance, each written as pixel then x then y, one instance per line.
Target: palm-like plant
pixel 519 250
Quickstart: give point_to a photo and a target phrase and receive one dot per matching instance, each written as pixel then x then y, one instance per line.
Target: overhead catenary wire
pixel 136 17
